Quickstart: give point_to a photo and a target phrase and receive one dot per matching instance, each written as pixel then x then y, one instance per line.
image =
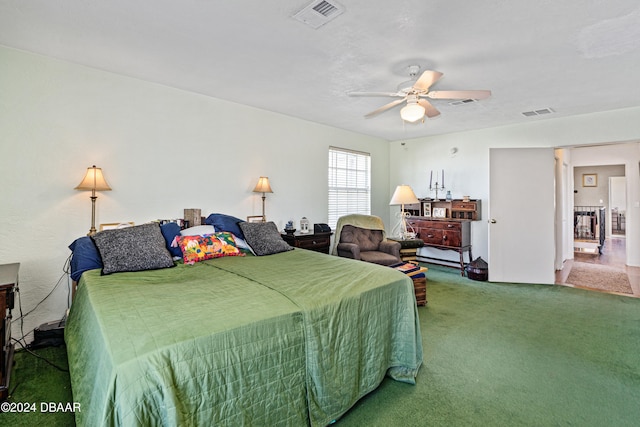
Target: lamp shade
pixel 403 195
pixel 94 180
pixel 263 185
pixel 412 112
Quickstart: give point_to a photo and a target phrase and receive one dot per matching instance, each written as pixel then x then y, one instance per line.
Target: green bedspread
pixel 289 339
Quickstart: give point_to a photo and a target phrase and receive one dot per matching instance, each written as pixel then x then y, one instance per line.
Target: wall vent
pixel 541 112
pixel 463 101
pixel 319 13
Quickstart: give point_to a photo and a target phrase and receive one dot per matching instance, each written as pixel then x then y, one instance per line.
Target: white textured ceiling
pixel 573 56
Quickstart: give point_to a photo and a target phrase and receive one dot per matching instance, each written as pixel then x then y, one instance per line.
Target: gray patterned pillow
pixel 137 248
pixel 264 238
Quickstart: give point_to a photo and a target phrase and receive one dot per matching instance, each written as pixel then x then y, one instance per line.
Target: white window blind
pixel 349 183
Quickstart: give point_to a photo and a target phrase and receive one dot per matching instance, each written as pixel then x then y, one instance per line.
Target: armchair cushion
pixel 378 257
pixel 367 240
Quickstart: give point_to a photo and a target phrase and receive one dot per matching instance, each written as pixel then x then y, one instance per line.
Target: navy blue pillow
pixel 170 230
pixel 222 222
pixel 84 257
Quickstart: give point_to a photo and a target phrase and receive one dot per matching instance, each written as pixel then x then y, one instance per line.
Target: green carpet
pixel 516 355
pixel 495 355
pixel 34 381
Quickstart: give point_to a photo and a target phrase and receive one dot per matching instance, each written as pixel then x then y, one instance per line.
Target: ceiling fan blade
pixel 427 78
pixel 429 110
pixel 459 94
pixel 376 94
pixel 384 108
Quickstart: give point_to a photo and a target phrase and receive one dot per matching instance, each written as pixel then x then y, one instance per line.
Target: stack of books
pixel 409 254
pixel 417 274
pixel 410 269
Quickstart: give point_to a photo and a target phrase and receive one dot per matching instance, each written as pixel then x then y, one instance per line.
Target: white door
pixel 617 201
pixel 521 215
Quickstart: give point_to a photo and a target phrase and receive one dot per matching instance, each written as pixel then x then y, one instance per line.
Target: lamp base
pixel 93 230
pixel 402 230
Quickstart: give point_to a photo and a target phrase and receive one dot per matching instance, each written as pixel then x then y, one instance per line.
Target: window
pixel 349 183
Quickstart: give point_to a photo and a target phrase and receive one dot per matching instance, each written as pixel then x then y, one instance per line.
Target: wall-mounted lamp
pixel 403 195
pixel 94 181
pixel 263 187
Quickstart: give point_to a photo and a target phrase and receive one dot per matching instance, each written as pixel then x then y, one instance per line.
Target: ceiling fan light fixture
pixel 412 112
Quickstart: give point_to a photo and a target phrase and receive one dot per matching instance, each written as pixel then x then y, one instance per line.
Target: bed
pixel 289 338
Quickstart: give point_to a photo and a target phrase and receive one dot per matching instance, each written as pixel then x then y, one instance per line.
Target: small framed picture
pixel 439 212
pixel 256 218
pixel 116 225
pixel 426 209
pixel 589 179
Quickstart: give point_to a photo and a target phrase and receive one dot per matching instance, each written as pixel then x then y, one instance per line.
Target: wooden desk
pixel 444 234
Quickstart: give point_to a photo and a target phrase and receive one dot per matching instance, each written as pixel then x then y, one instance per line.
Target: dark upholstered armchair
pixel 363 237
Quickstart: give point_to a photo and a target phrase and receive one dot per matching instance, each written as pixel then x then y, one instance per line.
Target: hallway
pixel 614 255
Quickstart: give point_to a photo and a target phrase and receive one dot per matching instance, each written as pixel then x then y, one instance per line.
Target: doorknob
pixel 493 221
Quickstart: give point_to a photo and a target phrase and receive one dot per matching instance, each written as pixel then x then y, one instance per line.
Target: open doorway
pixel 599 221
pixel 593 211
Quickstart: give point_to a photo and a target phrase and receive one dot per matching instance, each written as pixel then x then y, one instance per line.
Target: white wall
pixel 467 169
pixel 161 150
pixel 598 195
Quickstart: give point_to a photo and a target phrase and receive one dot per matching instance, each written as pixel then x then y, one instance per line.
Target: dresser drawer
pixel 421 223
pixel 464 206
pixel 451 238
pixel 465 210
pixel 314 243
pixel 437 225
pixel 452 226
pixel 430 236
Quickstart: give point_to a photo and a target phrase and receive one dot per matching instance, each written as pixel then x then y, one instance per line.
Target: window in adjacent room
pixel 349 183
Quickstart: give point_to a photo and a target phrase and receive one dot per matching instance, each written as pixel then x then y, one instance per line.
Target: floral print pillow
pixel 199 248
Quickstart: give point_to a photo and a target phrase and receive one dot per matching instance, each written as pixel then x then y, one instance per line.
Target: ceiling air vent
pixel 463 101
pixel 538 112
pixel 319 13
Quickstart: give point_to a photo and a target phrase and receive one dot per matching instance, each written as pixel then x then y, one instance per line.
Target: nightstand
pixel 8 284
pixel 319 242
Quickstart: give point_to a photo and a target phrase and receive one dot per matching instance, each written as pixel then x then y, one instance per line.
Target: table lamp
pixel 403 195
pixel 94 181
pixel 263 187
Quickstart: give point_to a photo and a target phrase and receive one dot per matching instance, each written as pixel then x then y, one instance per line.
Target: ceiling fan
pixel 417 107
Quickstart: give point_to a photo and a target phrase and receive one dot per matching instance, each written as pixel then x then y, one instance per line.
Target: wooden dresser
pixel 445 234
pixel 8 284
